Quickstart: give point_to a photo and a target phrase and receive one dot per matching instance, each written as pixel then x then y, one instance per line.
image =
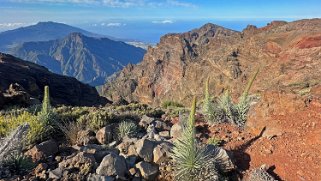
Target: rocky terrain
pixel 90 60
pixel 287 55
pixel 22 83
pixel 268 128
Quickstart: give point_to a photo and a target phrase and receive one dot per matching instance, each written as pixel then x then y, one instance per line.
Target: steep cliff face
pixel 287 55
pixel 90 60
pixel 33 78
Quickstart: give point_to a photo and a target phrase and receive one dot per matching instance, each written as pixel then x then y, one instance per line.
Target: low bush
pixel 167 104
pixel 127 128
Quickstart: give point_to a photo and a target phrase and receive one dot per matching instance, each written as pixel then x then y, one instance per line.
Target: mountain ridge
pixel 180 63
pixel 32 77
pixel 89 59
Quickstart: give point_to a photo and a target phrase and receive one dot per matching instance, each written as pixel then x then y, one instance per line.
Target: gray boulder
pixel 147 170
pixel 113 165
pixel 144 149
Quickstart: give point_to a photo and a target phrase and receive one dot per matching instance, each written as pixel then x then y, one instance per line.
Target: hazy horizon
pixel 148 20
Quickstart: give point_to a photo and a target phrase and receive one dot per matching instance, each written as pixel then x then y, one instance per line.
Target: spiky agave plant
pixel 189 157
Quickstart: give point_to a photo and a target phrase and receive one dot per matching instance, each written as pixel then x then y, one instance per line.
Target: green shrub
pixel 188 156
pixel 38 128
pixel 96 119
pixel 127 128
pixel 19 163
pixel 167 104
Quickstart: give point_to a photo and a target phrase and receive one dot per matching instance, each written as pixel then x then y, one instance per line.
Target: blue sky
pixel 148 19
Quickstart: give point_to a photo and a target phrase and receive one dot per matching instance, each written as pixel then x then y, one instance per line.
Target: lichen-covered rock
pixel 84 162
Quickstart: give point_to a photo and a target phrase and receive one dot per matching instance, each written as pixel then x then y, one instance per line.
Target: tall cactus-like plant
pixel 243 105
pixel 208 106
pixel 188 155
pixel 46 101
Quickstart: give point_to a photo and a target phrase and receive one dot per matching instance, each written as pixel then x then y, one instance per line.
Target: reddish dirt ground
pixel 293 154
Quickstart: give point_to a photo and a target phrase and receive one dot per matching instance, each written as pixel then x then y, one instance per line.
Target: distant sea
pixel 149 32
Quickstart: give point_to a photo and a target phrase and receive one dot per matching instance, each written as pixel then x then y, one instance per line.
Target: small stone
pixel 164 134
pixel 56 173
pixel 176 130
pixel 95 177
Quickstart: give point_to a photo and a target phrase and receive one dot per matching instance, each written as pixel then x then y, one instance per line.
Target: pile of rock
pixel 102 155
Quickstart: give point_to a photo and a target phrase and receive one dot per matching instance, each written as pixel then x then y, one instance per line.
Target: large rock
pixel 106 134
pixel 113 165
pixel 33 78
pixel 144 148
pixel 43 150
pixel 148 171
pixel 84 162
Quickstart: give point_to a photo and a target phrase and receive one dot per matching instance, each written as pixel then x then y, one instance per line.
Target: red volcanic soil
pixel 292 150
pixel 309 42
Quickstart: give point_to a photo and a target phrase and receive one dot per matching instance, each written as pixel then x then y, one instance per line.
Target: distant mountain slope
pixel 43 31
pixel 90 60
pixel 33 78
pixel 287 54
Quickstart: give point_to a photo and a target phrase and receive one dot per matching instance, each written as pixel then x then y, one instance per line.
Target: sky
pixel 147 20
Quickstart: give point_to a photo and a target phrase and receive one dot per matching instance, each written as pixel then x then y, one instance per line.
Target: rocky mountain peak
pixel 177 67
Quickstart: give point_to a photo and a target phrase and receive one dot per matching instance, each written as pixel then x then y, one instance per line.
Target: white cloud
pixel 115 24
pixel 167 21
pixel 9 25
pixel 109 24
pixel 115 3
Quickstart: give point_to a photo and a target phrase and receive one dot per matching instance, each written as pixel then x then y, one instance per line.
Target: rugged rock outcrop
pixel 90 60
pixel 287 55
pixel 33 78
